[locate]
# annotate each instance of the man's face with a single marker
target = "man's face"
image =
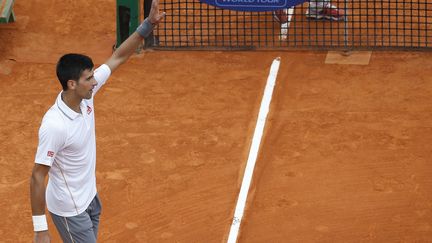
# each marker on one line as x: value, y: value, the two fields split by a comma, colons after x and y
x: 85, y: 85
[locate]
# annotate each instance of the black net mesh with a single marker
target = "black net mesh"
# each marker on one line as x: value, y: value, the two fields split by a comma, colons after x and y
x: 364, y: 24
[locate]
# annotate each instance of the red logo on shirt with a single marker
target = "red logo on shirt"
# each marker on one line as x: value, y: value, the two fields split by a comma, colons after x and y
x: 89, y: 110
x: 50, y: 154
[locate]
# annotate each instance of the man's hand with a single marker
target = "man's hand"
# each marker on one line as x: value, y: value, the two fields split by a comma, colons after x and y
x: 129, y: 46
x: 155, y: 16
x: 42, y: 237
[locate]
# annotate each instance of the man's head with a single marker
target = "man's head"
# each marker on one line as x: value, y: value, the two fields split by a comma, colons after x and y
x: 75, y: 72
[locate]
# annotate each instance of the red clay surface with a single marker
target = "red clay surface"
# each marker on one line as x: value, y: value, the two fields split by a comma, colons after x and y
x: 345, y: 157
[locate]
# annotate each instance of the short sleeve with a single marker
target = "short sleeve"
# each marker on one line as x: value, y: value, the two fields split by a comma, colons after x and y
x: 51, y: 140
x: 101, y: 75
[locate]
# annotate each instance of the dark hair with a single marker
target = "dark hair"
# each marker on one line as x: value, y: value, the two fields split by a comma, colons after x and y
x: 70, y: 67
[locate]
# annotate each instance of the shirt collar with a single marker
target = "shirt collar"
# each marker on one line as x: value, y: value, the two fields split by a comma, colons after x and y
x: 71, y: 114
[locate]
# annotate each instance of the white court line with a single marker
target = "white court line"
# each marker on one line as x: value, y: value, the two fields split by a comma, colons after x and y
x: 253, y: 152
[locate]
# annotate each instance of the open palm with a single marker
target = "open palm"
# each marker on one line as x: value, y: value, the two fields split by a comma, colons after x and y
x: 155, y: 16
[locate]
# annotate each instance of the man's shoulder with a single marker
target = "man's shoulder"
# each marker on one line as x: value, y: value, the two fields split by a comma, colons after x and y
x: 53, y: 119
x: 52, y: 113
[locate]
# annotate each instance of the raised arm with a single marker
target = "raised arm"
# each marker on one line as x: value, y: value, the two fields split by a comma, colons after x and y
x: 128, y: 47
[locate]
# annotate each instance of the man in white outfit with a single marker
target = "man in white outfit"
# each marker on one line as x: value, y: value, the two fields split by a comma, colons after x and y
x: 67, y: 145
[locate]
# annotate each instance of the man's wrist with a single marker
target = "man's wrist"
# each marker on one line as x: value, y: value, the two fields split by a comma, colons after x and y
x: 39, y: 223
x: 145, y: 28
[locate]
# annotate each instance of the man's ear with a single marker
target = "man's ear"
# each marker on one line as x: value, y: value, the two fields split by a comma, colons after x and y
x: 71, y: 84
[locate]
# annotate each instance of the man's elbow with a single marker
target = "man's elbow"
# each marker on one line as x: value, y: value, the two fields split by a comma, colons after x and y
x: 114, y: 63
x: 36, y: 179
x: 38, y: 175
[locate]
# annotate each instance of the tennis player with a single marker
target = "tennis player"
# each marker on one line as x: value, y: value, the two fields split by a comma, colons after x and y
x: 67, y: 145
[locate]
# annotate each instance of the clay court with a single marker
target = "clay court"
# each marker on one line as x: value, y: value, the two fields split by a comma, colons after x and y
x: 345, y: 155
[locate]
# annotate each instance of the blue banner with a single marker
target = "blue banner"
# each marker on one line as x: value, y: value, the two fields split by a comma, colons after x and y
x: 254, y: 5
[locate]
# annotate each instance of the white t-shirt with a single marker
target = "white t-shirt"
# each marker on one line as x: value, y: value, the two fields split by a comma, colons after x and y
x: 67, y: 143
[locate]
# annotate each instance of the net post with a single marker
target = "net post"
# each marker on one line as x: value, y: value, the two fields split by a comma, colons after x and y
x: 346, y: 49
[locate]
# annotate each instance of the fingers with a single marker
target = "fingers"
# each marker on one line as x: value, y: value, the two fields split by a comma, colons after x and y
x: 154, y: 12
x: 161, y: 16
x: 154, y: 16
x: 155, y: 5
